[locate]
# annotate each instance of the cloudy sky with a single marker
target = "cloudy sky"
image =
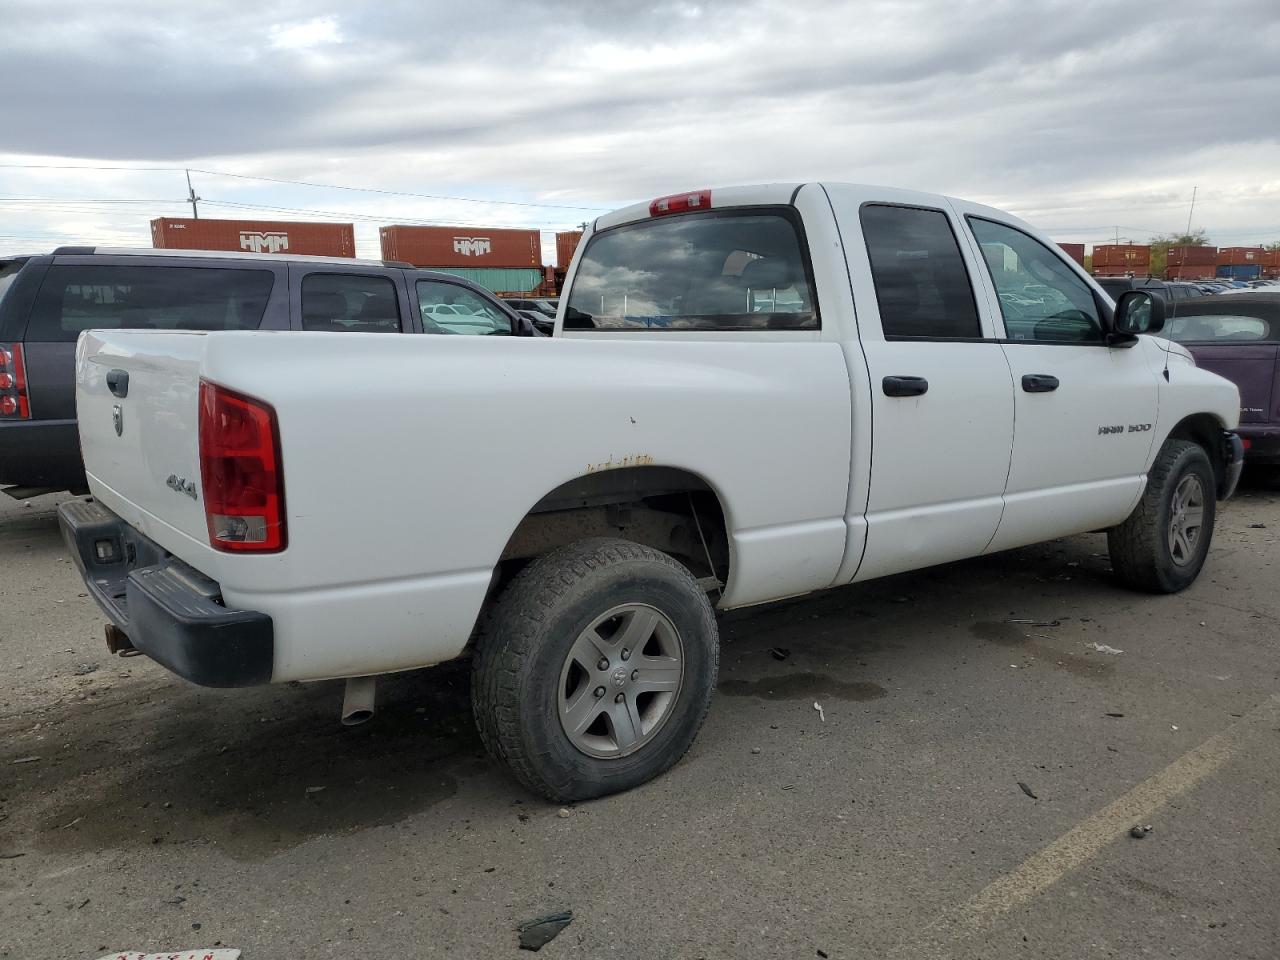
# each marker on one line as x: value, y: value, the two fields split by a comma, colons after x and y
x: 1088, y: 118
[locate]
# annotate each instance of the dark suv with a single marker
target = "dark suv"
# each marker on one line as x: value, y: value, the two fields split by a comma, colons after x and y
x: 47, y: 301
x: 1172, y: 291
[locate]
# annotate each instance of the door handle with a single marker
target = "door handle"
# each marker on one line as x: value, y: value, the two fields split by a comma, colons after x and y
x: 1039, y: 383
x: 118, y: 383
x: 904, y: 386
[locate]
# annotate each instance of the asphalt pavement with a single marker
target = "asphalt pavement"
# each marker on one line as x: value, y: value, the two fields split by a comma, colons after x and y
x: 942, y: 764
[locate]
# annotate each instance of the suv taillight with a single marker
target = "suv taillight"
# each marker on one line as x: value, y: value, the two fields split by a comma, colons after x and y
x: 240, y: 471
x: 14, y: 404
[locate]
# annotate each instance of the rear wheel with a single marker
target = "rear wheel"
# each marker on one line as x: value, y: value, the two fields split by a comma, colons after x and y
x: 595, y: 669
x: 1162, y: 545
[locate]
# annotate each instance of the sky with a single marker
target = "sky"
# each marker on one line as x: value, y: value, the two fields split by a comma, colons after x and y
x: 1090, y: 119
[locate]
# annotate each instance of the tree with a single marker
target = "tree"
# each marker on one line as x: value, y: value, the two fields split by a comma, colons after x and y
x: 1160, y: 248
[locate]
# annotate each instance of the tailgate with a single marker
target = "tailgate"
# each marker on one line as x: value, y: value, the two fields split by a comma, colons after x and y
x: 1251, y: 367
x: 137, y: 399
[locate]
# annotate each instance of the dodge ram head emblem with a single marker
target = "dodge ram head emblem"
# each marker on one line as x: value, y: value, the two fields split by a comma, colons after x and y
x: 619, y: 677
x: 117, y: 418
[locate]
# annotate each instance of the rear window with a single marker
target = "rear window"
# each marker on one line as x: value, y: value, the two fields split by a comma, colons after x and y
x: 74, y: 298
x: 1223, y: 320
x: 720, y: 270
x: 8, y: 271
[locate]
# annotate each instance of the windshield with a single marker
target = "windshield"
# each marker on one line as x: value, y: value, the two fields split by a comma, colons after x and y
x: 705, y: 271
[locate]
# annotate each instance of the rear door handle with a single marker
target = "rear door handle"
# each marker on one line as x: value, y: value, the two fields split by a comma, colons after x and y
x: 904, y: 386
x: 1039, y: 383
x: 118, y: 383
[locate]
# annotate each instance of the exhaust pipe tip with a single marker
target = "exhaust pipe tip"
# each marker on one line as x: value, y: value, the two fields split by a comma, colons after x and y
x: 358, y: 701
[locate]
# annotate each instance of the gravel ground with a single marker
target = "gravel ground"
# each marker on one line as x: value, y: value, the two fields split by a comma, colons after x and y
x: 966, y: 790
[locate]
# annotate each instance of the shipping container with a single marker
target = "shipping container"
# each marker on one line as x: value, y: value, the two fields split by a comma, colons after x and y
x: 514, y: 280
x: 1239, y: 256
x: 1190, y: 273
x: 462, y: 246
x: 1270, y: 258
x: 1075, y: 251
x: 566, y: 244
x: 1193, y: 256
x: 1240, y: 271
x: 1128, y: 257
x: 255, y: 236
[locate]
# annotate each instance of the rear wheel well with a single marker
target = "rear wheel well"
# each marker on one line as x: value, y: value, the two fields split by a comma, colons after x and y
x: 1205, y: 430
x: 666, y: 508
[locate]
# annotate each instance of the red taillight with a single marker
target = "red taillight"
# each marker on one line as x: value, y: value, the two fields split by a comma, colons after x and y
x: 14, y: 404
x: 1246, y: 442
x: 680, y: 203
x: 240, y: 471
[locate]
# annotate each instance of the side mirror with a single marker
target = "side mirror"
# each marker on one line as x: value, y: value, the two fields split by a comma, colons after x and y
x: 1139, y: 311
x: 523, y: 326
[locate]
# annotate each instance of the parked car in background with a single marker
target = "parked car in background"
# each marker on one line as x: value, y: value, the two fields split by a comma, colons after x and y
x: 541, y: 311
x: 47, y: 301
x: 1238, y: 337
x: 1170, y: 290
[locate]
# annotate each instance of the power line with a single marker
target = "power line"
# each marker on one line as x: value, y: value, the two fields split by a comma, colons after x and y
x: 395, y: 193
x: 300, y: 183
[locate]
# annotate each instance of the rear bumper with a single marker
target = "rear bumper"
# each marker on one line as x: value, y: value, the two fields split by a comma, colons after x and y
x: 41, y: 453
x: 169, y: 611
x: 1262, y: 443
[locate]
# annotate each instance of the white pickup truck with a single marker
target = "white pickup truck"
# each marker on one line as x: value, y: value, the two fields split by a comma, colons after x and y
x: 752, y: 393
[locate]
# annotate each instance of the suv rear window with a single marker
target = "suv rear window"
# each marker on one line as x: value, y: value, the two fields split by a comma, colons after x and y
x: 719, y: 270
x: 74, y: 298
x: 8, y: 271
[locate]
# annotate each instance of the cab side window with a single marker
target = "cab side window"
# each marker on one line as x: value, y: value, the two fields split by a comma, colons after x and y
x: 450, y: 308
x: 349, y: 303
x: 1041, y: 298
x: 921, y: 282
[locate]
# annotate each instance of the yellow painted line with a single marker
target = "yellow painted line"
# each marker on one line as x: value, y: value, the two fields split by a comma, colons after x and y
x: 1085, y: 840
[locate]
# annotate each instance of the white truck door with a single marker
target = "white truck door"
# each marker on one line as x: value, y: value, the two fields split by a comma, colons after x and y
x: 1085, y: 411
x: 941, y: 393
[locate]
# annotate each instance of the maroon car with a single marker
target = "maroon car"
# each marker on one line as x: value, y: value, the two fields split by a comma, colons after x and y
x: 1238, y: 336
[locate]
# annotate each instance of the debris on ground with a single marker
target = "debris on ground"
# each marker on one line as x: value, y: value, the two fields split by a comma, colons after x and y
x: 204, y: 953
x: 26, y: 760
x: 11, y: 856
x: 314, y: 789
x: 1027, y: 790
x: 1257, y: 526
x: 85, y: 669
x: 538, y: 932
x: 779, y: 653
x: 755, y: 749
x: 821, y: 714
x: 1103, y: 648
x: 1139, y: 832
x: 563, y: 813
x: 822, y: 954
x: 1114, y: 714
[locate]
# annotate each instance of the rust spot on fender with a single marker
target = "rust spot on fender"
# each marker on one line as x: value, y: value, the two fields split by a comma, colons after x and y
x: 615, y: 463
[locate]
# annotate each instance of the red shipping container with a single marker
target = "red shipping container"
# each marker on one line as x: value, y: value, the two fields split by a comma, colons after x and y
x: 255, y: 236
x: 1239, y: 256
x: 1132, y: 257
x: 1186, y: 272
x: 1075, y: 251
x: 1193, y: 257
x: 462, y: 246
x: 566, y: 244
x: 1270, y: 258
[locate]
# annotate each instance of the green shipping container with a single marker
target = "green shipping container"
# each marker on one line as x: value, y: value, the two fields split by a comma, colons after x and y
x: 505, y: 279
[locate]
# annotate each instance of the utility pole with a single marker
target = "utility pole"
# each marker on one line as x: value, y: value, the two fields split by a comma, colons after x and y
x: 1192, y: 210
x: 192, y: 198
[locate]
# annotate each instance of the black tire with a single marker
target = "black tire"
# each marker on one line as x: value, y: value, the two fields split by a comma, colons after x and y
x: 517, y: 672
x: 1142, y: 554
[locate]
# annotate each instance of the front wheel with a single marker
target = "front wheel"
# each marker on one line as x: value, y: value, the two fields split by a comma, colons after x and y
x: 1162, y: 545
x: 595, y: 669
